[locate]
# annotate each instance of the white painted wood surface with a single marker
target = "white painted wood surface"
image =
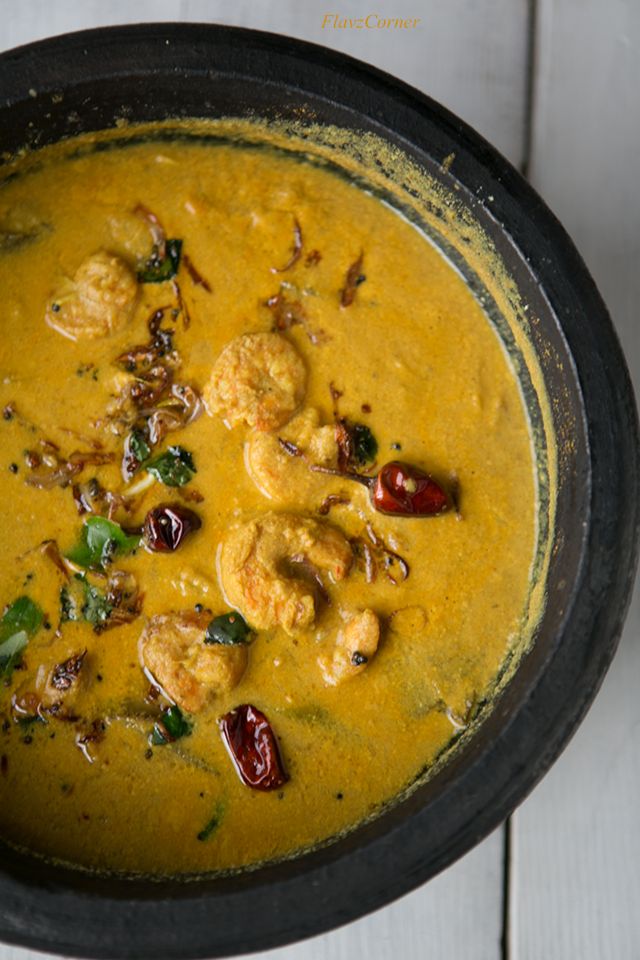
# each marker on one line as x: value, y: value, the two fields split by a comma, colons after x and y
x: 575, y: 874
x: 577, y: 839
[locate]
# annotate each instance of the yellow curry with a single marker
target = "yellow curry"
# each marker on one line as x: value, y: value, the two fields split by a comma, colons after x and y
x: 269, y: 506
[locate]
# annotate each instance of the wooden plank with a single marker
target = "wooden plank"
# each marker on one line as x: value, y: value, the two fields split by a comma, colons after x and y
x: 470, y: 56
x: 586, y: 143
x: 576, y: 869
x: 576, y: 864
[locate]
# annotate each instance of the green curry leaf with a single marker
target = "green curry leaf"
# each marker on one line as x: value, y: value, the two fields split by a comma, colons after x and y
x: 100, y: 541
x: 96, y: 609
x: 11, y: 652
x: 71, y: 599
x: 80, y: 600
x: 171, y: 726
x: 20, y: 622
x: 11, y: 240
x: 212, y: 825
x: 228, y: 629
x: 365, y: 445
x: 22, y: 614
x: 174, y: 467
x: 158, y: 269
x: 139, y: 446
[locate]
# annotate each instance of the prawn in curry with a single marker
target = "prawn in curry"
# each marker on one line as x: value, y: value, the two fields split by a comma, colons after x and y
x: 269, y: 506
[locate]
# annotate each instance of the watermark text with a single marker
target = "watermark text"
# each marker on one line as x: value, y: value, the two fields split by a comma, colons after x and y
x: 372, y: 21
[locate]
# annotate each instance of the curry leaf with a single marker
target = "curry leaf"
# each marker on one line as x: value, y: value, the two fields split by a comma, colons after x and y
x: 228, y: 629
x: 172, y: 726
x: 71, y: 600
x: 100, y: 541
x: 20, y: 622
x: 11, y: 240
x: 139, y: 446
x: 96, y: 609
x: 11, y: 652
x: 23, y: 614
x: 212, y: 825
x: 174, y: 468
x: 365, y: 445
x: 158, y: 269
x: 311, y: 713
x: 80, y: 600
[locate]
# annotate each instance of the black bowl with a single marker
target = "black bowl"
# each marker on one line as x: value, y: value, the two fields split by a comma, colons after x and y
x: 150, y: 72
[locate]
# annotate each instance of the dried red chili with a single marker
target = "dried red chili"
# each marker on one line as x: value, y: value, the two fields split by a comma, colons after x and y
x: 166, y: 526
x: 253, y: 747
x: 399, y: 488
x: 403, y: 489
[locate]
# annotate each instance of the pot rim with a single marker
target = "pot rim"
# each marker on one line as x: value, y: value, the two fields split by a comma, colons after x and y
x: 56, y: 909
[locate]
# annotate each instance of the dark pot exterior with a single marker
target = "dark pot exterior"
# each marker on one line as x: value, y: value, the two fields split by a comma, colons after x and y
x: 200, y: 70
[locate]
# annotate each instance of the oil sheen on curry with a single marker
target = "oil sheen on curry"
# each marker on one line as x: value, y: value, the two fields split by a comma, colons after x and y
x: 268, y: 507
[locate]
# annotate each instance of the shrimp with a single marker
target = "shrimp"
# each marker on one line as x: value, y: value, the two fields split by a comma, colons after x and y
x: 287, y: 477
x: 355, y: 645
x: 191, y: 672
x: 269, y: 568
x: 258, y: 379
x: 99, y: 301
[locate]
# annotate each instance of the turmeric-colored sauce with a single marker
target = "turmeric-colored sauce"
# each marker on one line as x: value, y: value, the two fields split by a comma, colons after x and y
x: 371, y: 637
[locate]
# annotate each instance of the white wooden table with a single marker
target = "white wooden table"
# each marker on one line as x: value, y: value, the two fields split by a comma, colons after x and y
x: 555, y: 84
